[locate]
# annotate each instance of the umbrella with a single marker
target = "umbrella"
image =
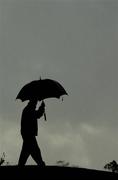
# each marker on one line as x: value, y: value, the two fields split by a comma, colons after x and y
x: 41, y: 89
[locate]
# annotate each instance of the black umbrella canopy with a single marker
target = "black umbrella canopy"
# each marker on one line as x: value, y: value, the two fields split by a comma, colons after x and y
x: 41, y: 89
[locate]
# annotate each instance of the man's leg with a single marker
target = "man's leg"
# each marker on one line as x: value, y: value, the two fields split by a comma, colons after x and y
x: 24, y: 154
x: 36, y: 153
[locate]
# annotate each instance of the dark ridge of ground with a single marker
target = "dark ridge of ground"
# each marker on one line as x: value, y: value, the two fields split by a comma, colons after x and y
x: 52, y: 172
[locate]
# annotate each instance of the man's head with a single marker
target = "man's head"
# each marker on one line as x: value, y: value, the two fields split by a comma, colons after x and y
x: 32, y: 103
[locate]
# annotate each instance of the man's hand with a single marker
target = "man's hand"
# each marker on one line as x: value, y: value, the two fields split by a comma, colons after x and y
x: 42, y: 108
x: 41, y: 111
x: 43, y: 105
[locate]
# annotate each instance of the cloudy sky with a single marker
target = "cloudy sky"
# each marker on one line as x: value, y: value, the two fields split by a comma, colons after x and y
x: 75, y: 43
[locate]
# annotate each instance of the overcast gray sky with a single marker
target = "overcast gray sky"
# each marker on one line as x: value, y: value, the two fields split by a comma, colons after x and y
x: 75, y: 43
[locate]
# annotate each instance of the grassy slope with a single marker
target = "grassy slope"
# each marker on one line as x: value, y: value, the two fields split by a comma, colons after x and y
x: 52, y: 172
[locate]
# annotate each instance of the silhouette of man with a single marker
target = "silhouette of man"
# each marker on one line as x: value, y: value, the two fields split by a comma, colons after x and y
x: 29, y: 131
